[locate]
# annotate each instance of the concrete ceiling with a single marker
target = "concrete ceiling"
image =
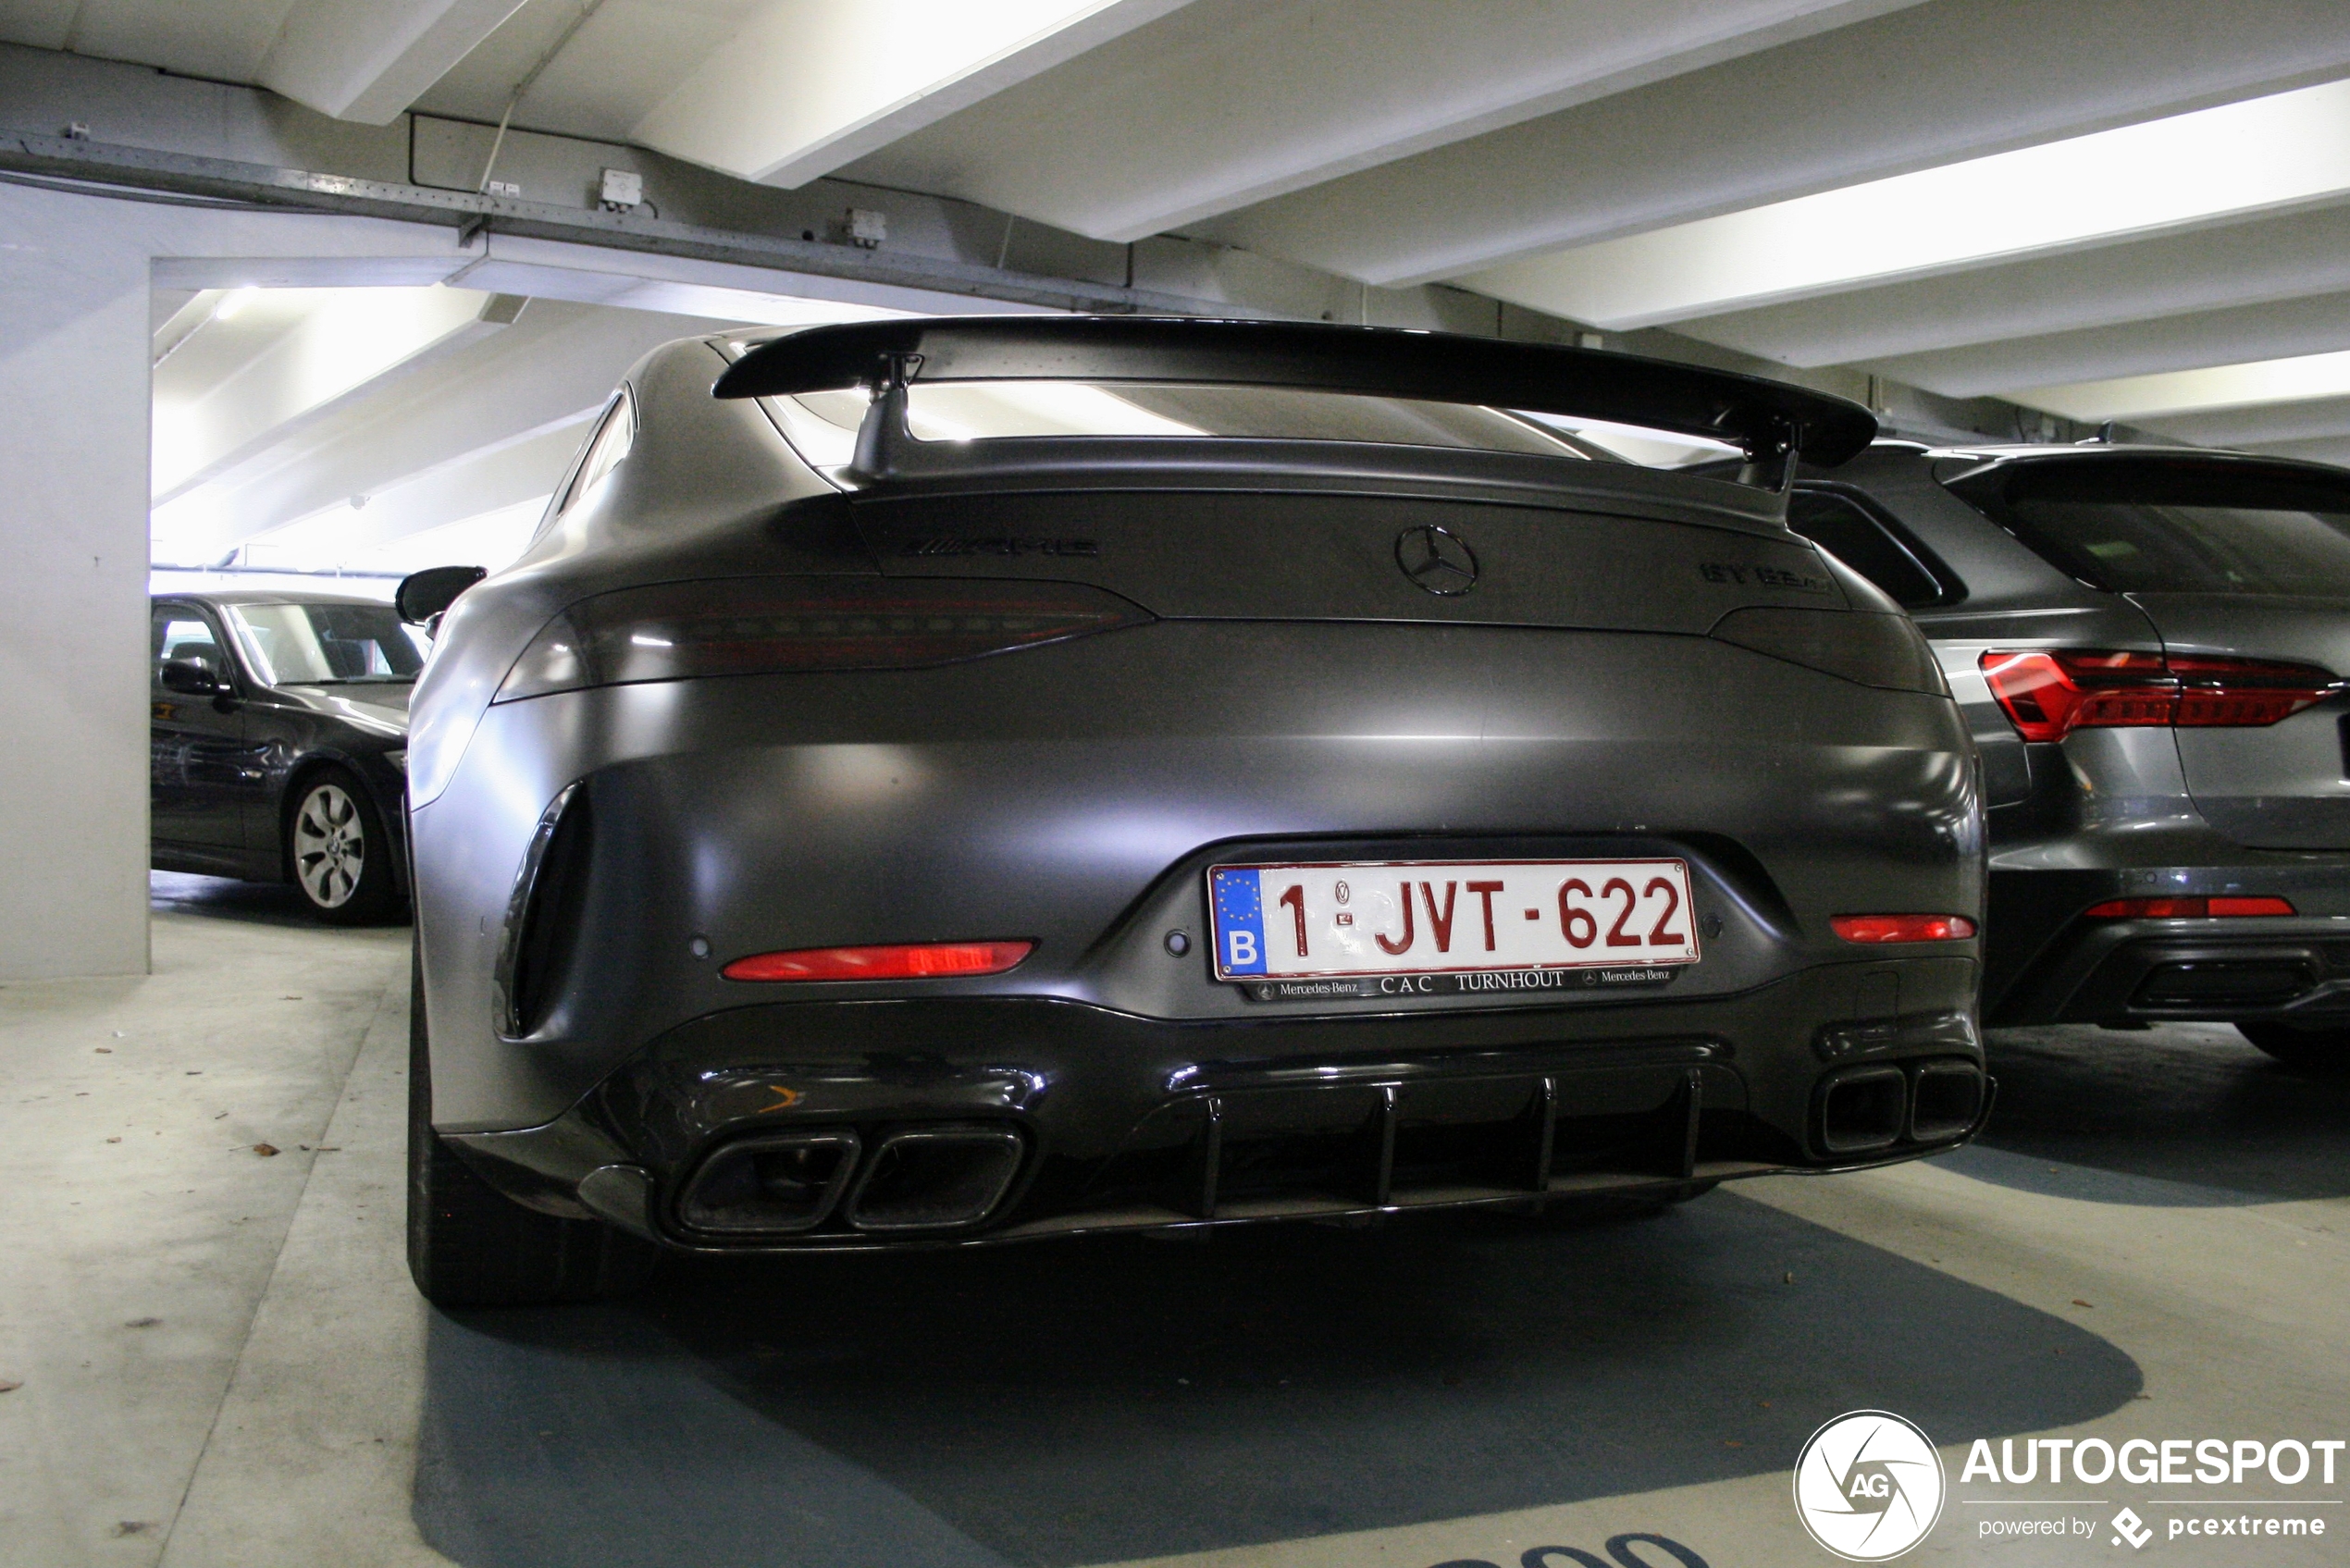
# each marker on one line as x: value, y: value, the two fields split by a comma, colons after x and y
x: 339, y: 427
x: 2133, y: 211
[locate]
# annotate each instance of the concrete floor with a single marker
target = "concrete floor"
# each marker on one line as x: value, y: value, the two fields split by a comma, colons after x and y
x: 221, y: 1361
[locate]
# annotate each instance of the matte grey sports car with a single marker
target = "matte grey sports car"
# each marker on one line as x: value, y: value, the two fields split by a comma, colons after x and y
x: 945, y: 782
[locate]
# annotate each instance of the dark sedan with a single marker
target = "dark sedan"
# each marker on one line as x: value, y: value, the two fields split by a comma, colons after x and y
x: 279, y: 742
x: 965, y: 782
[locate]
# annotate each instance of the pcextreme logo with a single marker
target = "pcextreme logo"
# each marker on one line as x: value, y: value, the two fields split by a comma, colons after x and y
x: 1868, y: 1485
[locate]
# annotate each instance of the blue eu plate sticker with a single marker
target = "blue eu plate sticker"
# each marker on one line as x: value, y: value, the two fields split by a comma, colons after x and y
x: 1240, y: 920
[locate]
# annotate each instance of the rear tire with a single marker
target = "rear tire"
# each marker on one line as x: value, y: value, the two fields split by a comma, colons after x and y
x: 337, y: 851
x: 469, y: 1245
x: 2312, y: 1050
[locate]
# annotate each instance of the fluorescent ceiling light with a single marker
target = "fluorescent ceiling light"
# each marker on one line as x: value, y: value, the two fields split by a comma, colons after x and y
x: 2180, y: 391
x: 2265, y: 155
x: 231, y: 302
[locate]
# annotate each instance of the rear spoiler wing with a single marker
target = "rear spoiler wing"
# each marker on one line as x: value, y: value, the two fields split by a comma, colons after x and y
x: 1772, y: 422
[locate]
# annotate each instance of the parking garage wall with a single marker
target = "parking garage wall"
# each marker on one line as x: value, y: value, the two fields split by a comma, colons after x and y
x: 75, y: 274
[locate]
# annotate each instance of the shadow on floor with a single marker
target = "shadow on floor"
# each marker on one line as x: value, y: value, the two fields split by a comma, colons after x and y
x: 1093, y: 1400
x: 255, y: 903
x: 2192, y: 1105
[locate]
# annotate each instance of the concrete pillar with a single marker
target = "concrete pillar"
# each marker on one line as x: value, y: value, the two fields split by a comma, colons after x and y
x: 73, y: 591
x: 74, y: 371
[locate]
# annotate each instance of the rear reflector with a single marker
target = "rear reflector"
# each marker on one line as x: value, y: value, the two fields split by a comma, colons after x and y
x: 2049, y: 693
x: 910, y: 960
x: 1902, y: 928
x: 2183, y: 908
x: 773, y: 625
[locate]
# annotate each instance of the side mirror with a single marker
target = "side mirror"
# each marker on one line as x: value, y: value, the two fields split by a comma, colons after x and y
x: 426, y: 594
x: 192, y: 678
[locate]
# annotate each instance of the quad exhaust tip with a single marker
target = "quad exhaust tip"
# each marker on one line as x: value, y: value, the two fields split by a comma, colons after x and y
x: 1864, y: 1110
x: 1946, y: 1098
x: 945, y: 1176
x: 935, y: 1178
x: 770, y: 1184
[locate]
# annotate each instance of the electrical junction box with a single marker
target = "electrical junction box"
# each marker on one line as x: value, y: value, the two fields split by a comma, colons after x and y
x: 624, y: 189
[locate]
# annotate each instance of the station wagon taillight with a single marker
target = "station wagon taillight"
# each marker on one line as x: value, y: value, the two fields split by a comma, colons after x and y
x: 2194, y: 908
x: 781, y: 625
x: 2049, y: 693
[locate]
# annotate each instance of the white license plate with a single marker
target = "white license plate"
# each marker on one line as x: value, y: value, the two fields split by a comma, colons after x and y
x: 1374, y: 919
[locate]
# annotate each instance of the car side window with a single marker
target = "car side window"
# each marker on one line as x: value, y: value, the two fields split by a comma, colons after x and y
x: 1848, y: 531
x: 179, y: 633
x: 606, y: 449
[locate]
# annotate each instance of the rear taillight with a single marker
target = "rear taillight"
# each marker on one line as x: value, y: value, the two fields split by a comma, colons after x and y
x: 2185, y: 908
x: 1901, y: 928
x: 900, y: 960
x: 2049, y: 693
x: 770, y: 626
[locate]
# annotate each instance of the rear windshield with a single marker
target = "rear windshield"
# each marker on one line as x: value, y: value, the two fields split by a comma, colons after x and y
x: 822, y: 425
x: 2176, y: 525
x: 299, y: 645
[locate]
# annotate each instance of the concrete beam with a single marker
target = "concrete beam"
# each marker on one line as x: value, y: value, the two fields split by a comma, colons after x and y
x: 550, y: 269
x: 1919, y: 87
x: 2269, y: 259
x: 809, y: 85
x: 207, y: 139
x: 334, y: 346
x: 367, y: 60
x: 2265, y: 425
x: 2285, y: 152
x: 557, y: 363
x: 1235, y: 102
x: 501, y: 474
x: 2329, y: 448
x: 2245, y: 333
x: 2187, y: 394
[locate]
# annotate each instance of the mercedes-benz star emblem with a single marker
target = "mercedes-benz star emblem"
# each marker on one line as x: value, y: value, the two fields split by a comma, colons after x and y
x: 1436, y: 560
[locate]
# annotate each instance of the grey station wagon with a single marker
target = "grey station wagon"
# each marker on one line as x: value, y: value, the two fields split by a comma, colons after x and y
x: 2149, y: 645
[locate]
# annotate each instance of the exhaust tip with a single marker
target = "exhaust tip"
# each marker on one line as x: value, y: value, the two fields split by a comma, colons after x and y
x: 935, y: 1178
x: 1863, y: 1110
x: 1945, y: 1100
x: 775, y: 1184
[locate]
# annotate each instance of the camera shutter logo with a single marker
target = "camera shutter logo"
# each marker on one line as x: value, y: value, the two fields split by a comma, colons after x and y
x: 1869, y: 1486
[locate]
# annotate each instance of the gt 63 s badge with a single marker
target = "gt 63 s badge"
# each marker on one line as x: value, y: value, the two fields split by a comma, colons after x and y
x: 1868, y: 1485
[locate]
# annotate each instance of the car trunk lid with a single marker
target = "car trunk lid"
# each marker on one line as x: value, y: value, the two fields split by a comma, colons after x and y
x: 1307, y: 556
x: 2270, y: 787
x: 2238, y: 561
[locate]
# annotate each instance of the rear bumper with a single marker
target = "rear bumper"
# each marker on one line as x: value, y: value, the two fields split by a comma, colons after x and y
x: 2070, y: 970
x: 1031, y: 1117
